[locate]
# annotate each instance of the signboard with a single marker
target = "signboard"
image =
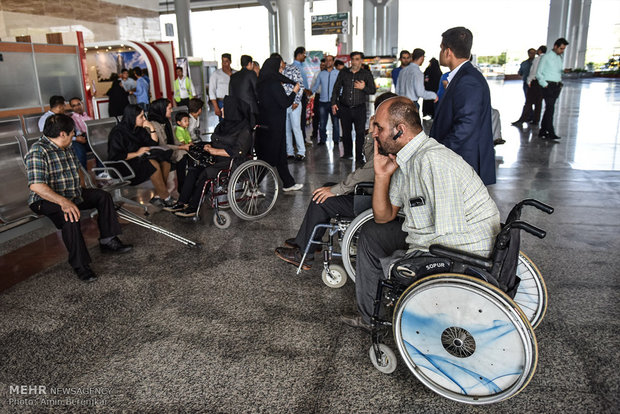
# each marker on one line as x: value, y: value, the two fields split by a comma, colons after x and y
x: 330, y: 24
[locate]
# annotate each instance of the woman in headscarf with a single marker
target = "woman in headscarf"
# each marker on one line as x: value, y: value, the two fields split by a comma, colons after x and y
x: 131, y: 141
x: 160, y: 112
x: 272, y: 103
x: 432, y: 74
x: 232, y: 138
x: 118, y: 97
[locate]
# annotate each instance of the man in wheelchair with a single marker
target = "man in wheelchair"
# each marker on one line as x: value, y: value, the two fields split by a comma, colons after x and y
x: 443, y: 199
x: 329, y: 201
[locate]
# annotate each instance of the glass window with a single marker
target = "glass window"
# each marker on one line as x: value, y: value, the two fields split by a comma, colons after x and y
x: 59, y: 74
x: 17, y: 81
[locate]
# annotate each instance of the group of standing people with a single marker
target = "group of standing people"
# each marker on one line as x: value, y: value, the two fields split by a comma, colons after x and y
x: 542, y: 80
x: 128, y: 89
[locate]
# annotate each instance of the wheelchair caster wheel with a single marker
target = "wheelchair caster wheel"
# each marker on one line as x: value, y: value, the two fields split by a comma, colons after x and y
x: 335, y: 277
x: 221, y: 220
x: 387, y: 362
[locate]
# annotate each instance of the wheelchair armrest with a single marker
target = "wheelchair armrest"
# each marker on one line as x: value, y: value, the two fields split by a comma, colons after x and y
x: 461, y: 256
x: 363, y: 187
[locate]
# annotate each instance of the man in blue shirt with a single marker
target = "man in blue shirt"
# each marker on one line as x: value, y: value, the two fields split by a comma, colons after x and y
x: 524, y: 69
x: 549, y: 76
x: 300, y: 57
x: 325, y: 83
x: 405, y: 60
x: 142, y: 89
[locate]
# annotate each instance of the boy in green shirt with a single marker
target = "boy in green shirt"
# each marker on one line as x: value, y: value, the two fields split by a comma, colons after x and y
x: 181, y: 133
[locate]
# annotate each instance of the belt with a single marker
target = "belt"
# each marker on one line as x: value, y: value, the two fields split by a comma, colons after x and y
x: 554, y: 83
x: 351, y: 106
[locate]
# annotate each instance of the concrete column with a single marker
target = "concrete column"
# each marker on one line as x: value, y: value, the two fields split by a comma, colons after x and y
x: 577, y: 34
x: 380, y: 27
x: 345, y: 41
x: 274, y: 43
x: 291, y: 19
x: 182, y: 11
x: 582, y: 39
x: 558, y: 17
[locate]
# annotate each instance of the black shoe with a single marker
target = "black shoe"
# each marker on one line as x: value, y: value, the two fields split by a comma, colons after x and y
x: 300, y: 157
x: 187, y: 212
x: 346, y: 157
x: 499, y: 141
x: 553, y: 136
x: 290, y: 157
x: 178, y: 206
x: 356, y: 322
x: 85, y: 274
x: 517, y: 123
x: 157, y: 202
x: 321, y: 143
x: 115, y: 246
x: 293, y: 256
x: 168, y: 203
x: 291, y: 243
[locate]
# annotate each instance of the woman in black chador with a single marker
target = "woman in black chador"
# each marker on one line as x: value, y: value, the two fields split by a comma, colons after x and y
x: 432, y: 75
x: 270, y: 141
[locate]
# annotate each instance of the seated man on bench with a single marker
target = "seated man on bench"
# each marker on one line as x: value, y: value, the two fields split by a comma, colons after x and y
x: 444, y: 200
x: 328, y: 202
x: 54, y: 178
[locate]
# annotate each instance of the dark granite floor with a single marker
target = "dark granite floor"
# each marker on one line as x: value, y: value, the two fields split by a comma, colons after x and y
x: 229, y: 328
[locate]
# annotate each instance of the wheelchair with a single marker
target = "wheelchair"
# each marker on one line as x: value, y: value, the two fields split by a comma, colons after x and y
x: 250, y: 189
x: 464, y: 324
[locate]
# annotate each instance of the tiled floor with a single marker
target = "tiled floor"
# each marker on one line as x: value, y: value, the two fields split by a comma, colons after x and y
x: 229, y: 328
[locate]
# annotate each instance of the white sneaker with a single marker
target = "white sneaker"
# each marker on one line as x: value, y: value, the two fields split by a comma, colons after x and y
x: 293, y: 187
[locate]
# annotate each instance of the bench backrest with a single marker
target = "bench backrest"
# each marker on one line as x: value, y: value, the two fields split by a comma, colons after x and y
x: 10, y: 126
x: 97, y: 132
x: 13, y: 181
x: 31, y: 123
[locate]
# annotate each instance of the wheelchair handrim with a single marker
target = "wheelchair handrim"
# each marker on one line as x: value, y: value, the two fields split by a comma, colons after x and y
x: 503, y: 305
x: 255, y: 178
x: 534, y: 307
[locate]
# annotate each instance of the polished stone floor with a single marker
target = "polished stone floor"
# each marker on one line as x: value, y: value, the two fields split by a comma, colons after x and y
x: 229, y: 328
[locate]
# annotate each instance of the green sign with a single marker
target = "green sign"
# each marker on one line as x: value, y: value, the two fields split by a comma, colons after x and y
x: 330, y: 24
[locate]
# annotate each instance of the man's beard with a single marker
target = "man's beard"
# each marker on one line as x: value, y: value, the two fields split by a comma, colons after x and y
x: 380, y: 149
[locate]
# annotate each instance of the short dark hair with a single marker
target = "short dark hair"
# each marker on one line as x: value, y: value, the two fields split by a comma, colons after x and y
x: 403, y: 52
x: 561, y: 41
x: 124, y: 70
x: 227, y: 56
x: 245, y: 60
x: 383, y: 97
x: 299, y: 51
x: 338, y: 62
x: 323, y: 60
x: 355, y: 54
x: 194, y: 105
x: 180, y: 115
x: 276, y: 55
x: 417, y: 54
x: 56, y: 124
x: 178, y: 67
x: 75, y: 98
x: 56, y: 100
x: 404, y: 111
x: 137, y: 71
x: 543, y: 49
x: 459, y: 40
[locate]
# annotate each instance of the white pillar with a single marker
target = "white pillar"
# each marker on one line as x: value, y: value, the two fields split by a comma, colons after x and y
x: 274, y: 43
x: 370, y: 18
x: 182, y: 11
x: 345, y: 41
x: 291, y: 19
x: 558, y: 17
x: 380, y: 27
x: 579, y: 34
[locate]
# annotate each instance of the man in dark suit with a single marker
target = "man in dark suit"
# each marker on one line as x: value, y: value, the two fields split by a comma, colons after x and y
x: 463, y: 116
x: 243, y: 86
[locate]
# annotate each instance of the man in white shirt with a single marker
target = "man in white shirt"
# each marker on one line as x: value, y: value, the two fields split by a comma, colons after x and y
x: 534, y: 94
x: 129, y: 84
x: 218, y: 85
x: 411, y: 80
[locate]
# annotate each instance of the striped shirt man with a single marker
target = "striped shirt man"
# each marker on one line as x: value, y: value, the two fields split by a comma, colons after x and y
x: 452, y: 208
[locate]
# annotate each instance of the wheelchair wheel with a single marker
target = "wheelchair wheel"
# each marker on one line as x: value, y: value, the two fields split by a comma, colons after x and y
x: 336, y: 277
x: 387, y: 361
x: 221, y: 219
x: 253, y: 190
x: 465, y: 339
x: 349, y: 241
x: 532, y: 293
